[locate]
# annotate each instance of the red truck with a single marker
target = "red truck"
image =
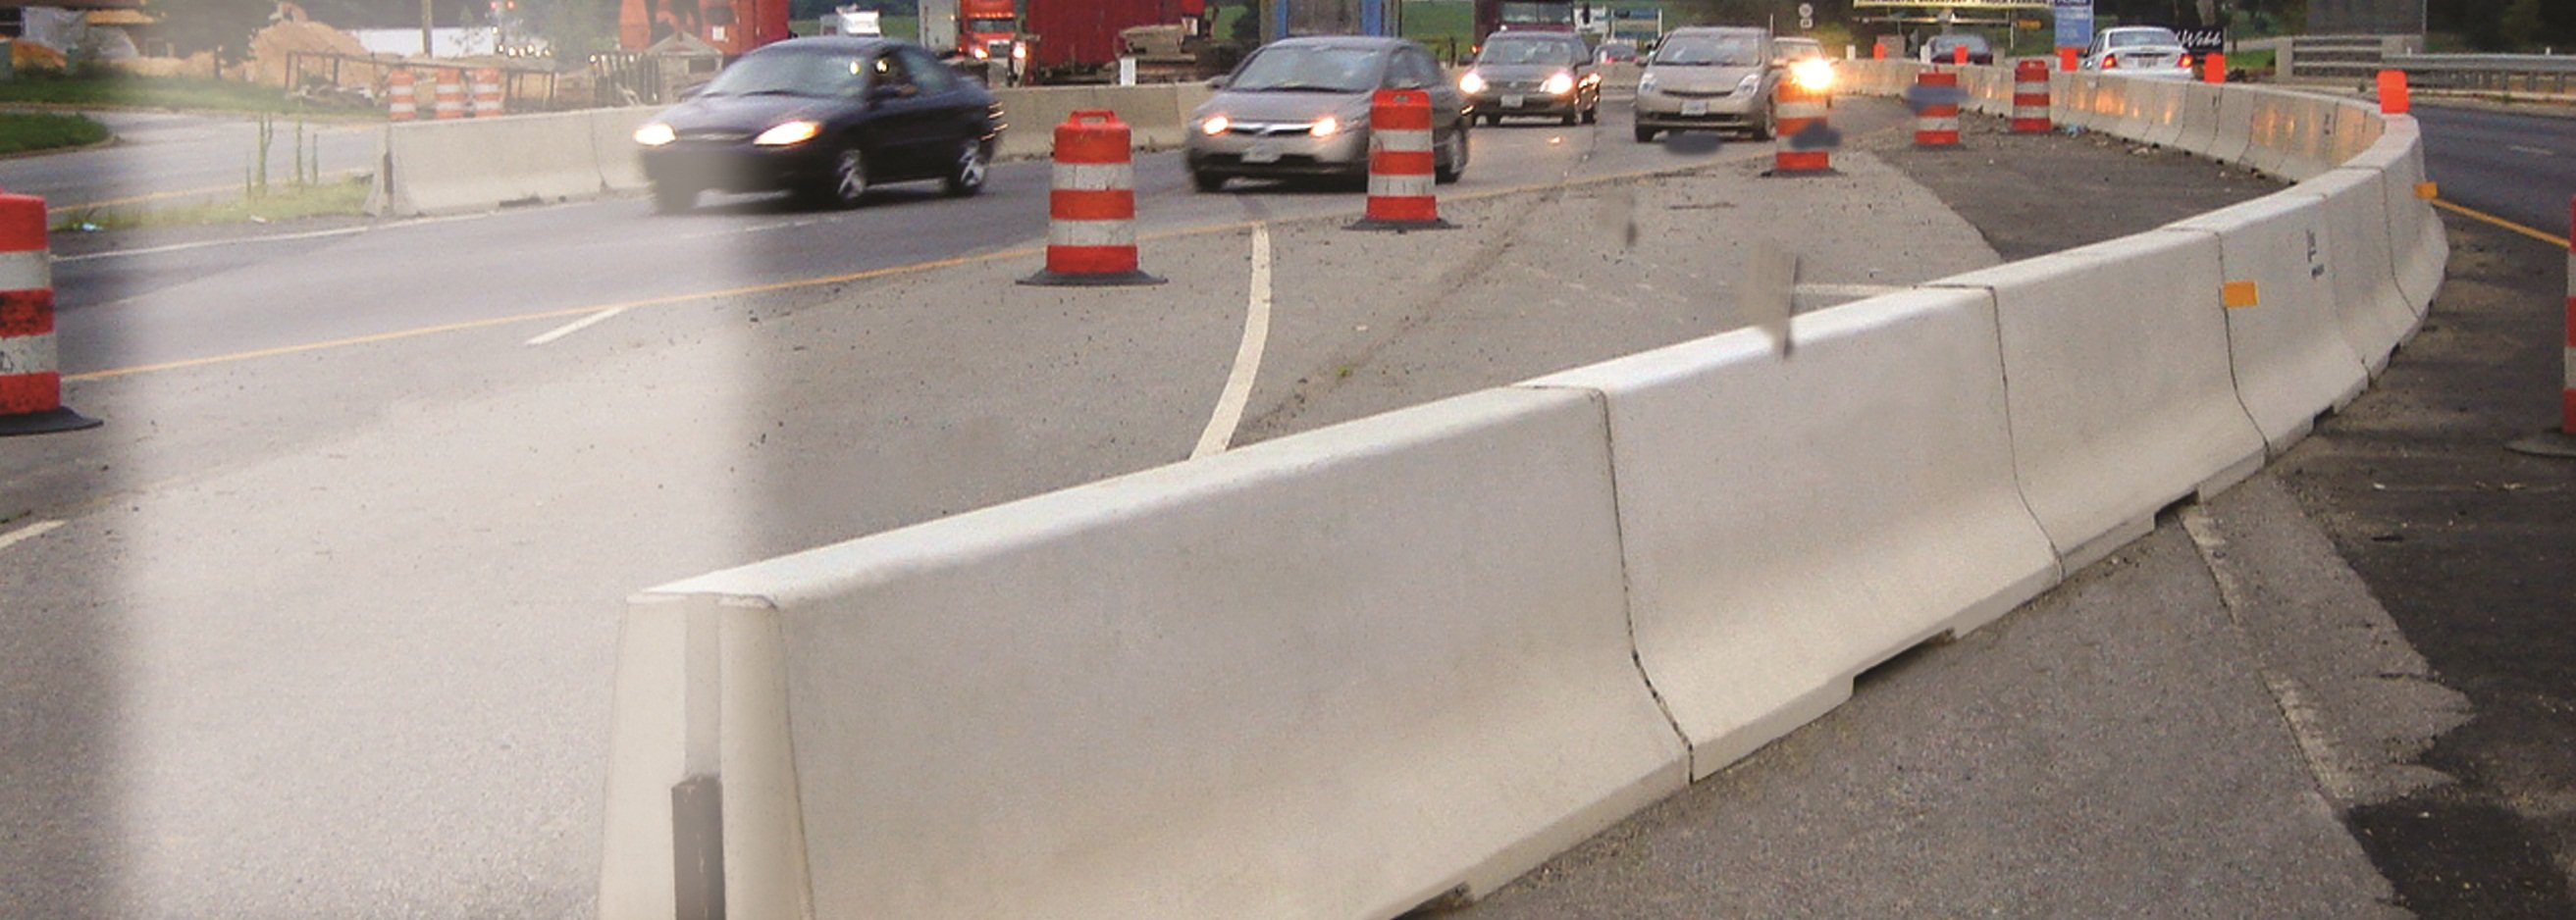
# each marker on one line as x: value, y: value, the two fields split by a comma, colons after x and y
x: 1544, y: 15
x: 990, y: 30
x: 732, y: 26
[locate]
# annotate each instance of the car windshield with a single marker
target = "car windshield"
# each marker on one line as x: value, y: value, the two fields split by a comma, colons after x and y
x: 1308, y: 68
x: 2132, y: 38
x: 989, y: 26
x: 790, y: 73
x: 1710, y: 51
x: 1527, y: 51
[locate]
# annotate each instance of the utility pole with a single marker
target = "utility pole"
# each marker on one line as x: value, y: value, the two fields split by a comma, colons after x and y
x: 425, y: 22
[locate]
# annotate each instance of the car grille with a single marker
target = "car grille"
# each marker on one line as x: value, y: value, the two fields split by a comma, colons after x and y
x: 703, y: 135
x: 1516, y: 86
x: 1269, y: 128
x: 1700, y: 93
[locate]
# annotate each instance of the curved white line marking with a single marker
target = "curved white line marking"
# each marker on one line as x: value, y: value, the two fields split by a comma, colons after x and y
x: 1247, y: 356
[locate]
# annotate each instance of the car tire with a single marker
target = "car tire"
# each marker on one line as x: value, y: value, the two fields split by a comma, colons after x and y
x: 1207, y: 181
x: 1454, y: 162
x: 847, y: 182
x: 1770, y: 124
x: 1493, y: 119
x: 973, y: 165
x: 674, y: 199
x: 1645, y: 135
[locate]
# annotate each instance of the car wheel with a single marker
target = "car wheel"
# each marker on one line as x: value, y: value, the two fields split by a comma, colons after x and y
x: 1453, y: 161
x: 847, y: 182
x: 1645, y: 135
x: 974, y: 162
x: 674, y: 199
x: 1494, y: 119
x: 1207, y: 181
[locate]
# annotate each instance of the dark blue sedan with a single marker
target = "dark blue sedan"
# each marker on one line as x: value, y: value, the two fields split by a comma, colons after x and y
x: 825, y: 118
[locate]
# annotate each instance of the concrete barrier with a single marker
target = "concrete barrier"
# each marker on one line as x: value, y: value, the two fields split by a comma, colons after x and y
x: 1154, y: 113
x: 2422, y: 247
x: 2356, y: 127
x: 612, y: 131
x: 450, y: 167
x: 2115, y: 357
x: 2158, y: 107
x: 2199, y: 117
x: 1774, y: 555
x: 2309, y: 148
x: 2285, y: 340
x: 2235, y: 126
x: 1340, y: 674
x: 2375, y: 309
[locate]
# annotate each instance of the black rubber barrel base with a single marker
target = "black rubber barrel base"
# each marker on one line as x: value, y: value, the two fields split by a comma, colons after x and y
x: 1400, y: 226
x: 1104, y: 279
x: 46, y: 422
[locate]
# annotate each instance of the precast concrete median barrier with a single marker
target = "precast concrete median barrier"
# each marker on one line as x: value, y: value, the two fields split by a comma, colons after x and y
x: 621, y: 160
x: 2235, y: 126
x: 1774, y: 554
x: 2422, y: 246
x: 2376, y: 314
x: 2357, y: 126
x: 461, y: 166
x: 2122, y: 399
x: 2285, y: 340
x: 2157, y: 107
x: 1154, y: 111
x: 1336, y: 675
x: 2199, y: 117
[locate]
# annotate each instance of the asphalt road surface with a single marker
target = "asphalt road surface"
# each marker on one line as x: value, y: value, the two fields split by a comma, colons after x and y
x: 2521, y: 167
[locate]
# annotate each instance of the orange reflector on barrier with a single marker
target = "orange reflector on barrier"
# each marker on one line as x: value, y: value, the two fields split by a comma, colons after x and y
x: 2238, y: 294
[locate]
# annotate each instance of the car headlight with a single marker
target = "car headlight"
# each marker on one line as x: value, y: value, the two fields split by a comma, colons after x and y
x: 1215, y: 125
x: 1646, y: 84
x: 1814, y: 75
x: 1747, y: 84
x: 1471, y: 83
x: 789, y: 134
x: 1558, y: 85
x: 980, y: 52
x: 1020, y: 50
x: 655, y: 135
x: 1326, y: 126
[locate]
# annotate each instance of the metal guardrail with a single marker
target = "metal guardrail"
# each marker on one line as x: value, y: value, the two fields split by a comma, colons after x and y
x: 2500, y: 72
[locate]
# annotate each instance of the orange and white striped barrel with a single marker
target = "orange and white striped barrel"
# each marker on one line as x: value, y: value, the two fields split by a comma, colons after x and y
x: 2030, y: 97
x: 1936, y: 121
x: 451, y: 93
x: 1801, y: 142
x: 487, y: 92
x: 1401, y: 164
x: 2567, y: 393
x: 1091, y: 228
x: 402, y: 103
x: 31, y: 386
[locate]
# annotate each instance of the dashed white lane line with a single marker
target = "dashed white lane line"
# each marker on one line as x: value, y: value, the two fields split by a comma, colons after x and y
x: 2531, y: 151
x: 1247, y: 356
x: 577, y: 325
x: 26, y: 533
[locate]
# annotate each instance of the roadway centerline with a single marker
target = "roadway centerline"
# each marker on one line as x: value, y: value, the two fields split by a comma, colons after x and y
x: 2478, y: 215
x: 29, y: 532
x: 577, y: 325
x: 1247, y: 355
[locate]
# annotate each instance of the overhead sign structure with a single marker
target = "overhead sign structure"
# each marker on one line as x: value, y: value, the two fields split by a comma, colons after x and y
x: 2074, y: 22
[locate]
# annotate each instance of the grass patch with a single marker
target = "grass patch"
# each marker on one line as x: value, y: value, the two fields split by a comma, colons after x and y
x: 185, y: 93
x: 337, y: 198
x: 24, y: 133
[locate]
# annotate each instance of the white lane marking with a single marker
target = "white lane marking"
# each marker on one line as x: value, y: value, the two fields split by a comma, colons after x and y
x: 1247, y: 356
x: 2533, y: 151
x: 277, y: 238
x: 577, y: 325
x: 26, y: 533
x: 2307, y: 726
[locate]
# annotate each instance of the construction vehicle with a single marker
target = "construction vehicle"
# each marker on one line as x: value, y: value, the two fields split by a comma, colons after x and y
x: 730, y: 26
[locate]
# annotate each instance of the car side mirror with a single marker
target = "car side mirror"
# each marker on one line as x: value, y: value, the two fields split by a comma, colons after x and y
x: 1218, y: 82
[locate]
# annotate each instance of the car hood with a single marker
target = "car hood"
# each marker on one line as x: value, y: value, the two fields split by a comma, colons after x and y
x: 741, y: 113
x: 1264, y: 106
x: 1699, y: 79
x: 1521, y: 71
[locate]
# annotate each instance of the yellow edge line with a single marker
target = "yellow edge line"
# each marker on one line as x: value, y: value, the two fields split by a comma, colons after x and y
x: 2477, y: 215
x: 1024, y: 252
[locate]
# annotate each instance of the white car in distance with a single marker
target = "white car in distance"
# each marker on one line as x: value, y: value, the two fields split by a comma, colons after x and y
x: 2153, y: 52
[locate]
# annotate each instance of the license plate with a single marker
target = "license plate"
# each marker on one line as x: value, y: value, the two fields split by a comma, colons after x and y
x: 1513, y: 102
x: 1262, y: 153
x: 1695, y: 108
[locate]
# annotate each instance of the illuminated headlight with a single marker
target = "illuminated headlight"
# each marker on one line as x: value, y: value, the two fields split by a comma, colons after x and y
x: 1020, y: 51
x: 1472, y: 83
x: 980, y: 53
x: 1558, y: 85
x: 1814, y: 75
x: 1747, y: 84
x: 1215, y: 125
x: 1646, y: 84
x: 789, y: 134
x: 655, y: 135
x: 1326, y: 126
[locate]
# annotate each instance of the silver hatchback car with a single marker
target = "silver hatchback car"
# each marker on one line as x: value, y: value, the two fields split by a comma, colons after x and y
x: 1709, y: 78
x: 1300, y: 107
